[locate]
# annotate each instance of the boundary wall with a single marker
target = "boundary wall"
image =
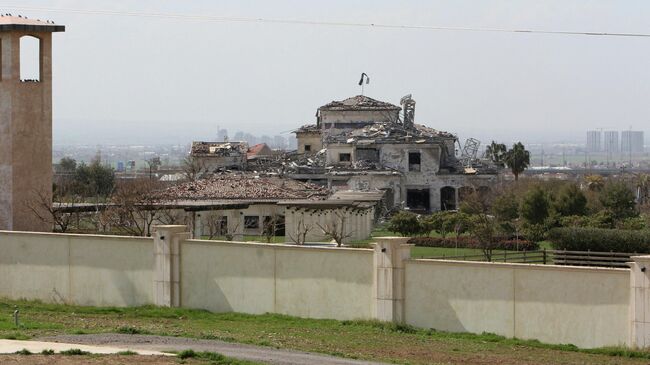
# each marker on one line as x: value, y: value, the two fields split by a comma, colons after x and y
x: 588, y: 307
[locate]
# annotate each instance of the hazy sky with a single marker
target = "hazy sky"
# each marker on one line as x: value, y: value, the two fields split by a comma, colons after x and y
x: 148, y: 80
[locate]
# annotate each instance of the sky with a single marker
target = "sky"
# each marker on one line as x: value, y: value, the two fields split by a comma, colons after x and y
x: 144, y: 80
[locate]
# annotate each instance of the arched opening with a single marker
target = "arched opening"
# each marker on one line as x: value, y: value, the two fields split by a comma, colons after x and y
x: 448, y: 198
x: 464, y: 192
x: 30, y: 59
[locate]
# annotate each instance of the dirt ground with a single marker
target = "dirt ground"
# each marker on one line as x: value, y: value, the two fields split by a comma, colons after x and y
x: 91, y: 359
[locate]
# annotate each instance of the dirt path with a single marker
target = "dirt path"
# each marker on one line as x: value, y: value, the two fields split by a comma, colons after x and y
x: 247, y: 352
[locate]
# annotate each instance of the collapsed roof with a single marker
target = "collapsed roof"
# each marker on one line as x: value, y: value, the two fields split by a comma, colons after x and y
x: 390, y: 133
x: 244, y: 187
x: 219, y: 148
x: 360, y: 103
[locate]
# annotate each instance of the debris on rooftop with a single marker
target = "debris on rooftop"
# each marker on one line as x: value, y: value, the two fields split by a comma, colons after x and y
x: 243, y: 187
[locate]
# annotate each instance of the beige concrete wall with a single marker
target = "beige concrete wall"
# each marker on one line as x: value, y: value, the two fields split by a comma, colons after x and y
x: 312, y: 139
x: 258, y: 278
x: 76, y: 269
x: 587, y: 307
x: 358, y: 225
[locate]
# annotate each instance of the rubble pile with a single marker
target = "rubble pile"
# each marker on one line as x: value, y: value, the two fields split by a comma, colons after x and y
x: 244, y: 187
x: 219, y: 148
x: 390, y: 133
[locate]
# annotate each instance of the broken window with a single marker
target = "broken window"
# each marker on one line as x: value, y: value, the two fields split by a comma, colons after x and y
x: 251, y: 221
x: 418, y: 199
x: 368, y: 154
x: 345, y: 157
x: 448, y: 198
x: 414, y: 161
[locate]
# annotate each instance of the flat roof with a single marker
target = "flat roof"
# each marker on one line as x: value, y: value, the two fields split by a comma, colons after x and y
x: 10, y: 23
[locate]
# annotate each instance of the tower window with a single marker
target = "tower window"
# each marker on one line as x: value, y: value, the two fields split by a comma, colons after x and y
x: 345, y: 157
x: 307, y: 148
x: 30, y: 59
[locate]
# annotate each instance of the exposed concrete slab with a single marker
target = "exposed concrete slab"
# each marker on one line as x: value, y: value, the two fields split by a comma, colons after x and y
x: 12, y: 346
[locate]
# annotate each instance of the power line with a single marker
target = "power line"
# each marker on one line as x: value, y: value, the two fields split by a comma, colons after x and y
x: 209, y: 18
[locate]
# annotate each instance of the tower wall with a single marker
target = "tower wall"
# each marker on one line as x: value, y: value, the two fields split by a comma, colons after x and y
x: 25, y: 137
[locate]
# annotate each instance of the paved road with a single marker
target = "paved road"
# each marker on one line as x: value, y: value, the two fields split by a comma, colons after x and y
x: 247, y: 352
x: 12, y: 346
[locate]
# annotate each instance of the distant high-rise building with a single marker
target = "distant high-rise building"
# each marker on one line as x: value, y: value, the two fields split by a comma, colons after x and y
x: 594, y: 139
x: 611, y: 142
x: 632, y: 141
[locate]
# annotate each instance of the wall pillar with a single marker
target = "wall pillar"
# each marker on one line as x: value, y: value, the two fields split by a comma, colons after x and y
x: 639, y: 302
x: 167, y: 250
x: 390, y: 255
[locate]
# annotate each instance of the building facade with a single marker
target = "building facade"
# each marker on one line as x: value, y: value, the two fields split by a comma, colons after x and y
x: 631, y: 142
x: 594, y: 141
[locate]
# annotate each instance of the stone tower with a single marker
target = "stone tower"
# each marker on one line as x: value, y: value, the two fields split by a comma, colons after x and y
x: 25, y: 126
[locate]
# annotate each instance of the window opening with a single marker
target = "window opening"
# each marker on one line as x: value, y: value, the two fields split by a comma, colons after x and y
x: 30, y: 59
x: 414, y: 161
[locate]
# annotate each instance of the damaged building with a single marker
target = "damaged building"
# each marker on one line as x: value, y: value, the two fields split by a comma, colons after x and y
x: 363, y: 144
x: 214, y: 156
x: 235, y: 205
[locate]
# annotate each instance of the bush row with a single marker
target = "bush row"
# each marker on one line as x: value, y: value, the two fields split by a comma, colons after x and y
x: 469, y: 242
x: 600, y: 239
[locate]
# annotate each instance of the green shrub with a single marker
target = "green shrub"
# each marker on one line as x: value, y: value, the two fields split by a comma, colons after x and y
x: 23, y: 352
x: 74, y: 352
x: 405, y: 223
x: 47, y: 352
x: 186, y: 354
x: 599, y: 239
x: 470, y: 242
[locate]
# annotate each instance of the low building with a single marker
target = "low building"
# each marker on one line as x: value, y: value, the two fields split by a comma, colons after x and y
x: 214, y: 156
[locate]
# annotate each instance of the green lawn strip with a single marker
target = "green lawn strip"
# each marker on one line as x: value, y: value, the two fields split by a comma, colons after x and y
x: 354, y: 339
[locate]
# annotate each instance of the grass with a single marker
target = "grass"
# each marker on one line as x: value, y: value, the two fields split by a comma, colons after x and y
x: 213, y: 357
x: 368, y: 340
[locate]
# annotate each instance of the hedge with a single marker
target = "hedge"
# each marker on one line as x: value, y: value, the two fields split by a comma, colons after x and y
x: 469, y: 242
x: 600, y: 239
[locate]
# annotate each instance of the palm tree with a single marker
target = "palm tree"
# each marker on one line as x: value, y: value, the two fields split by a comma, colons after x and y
x: 595, y: 182
x: 496, y: 152
x: 517, y: 159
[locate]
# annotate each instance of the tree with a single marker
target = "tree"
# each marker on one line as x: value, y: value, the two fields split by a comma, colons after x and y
x: 53, y: 211
x: 405, y: 223
x: 335, y: 228
x: 505, y: 207
x: 535, y: 206
x: 618, y: 199
x: 595, y: 182
x: 153, y: 164
x: 517, y: 159
x: 135, y: 207
x: 193, y: 168
x: 496, y: 152
x: 271, y: 225
x: 300, y: 230
x: 483, y: 229
x: 68, y: 165
x: 94, y: 180
x: 570, y: 201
